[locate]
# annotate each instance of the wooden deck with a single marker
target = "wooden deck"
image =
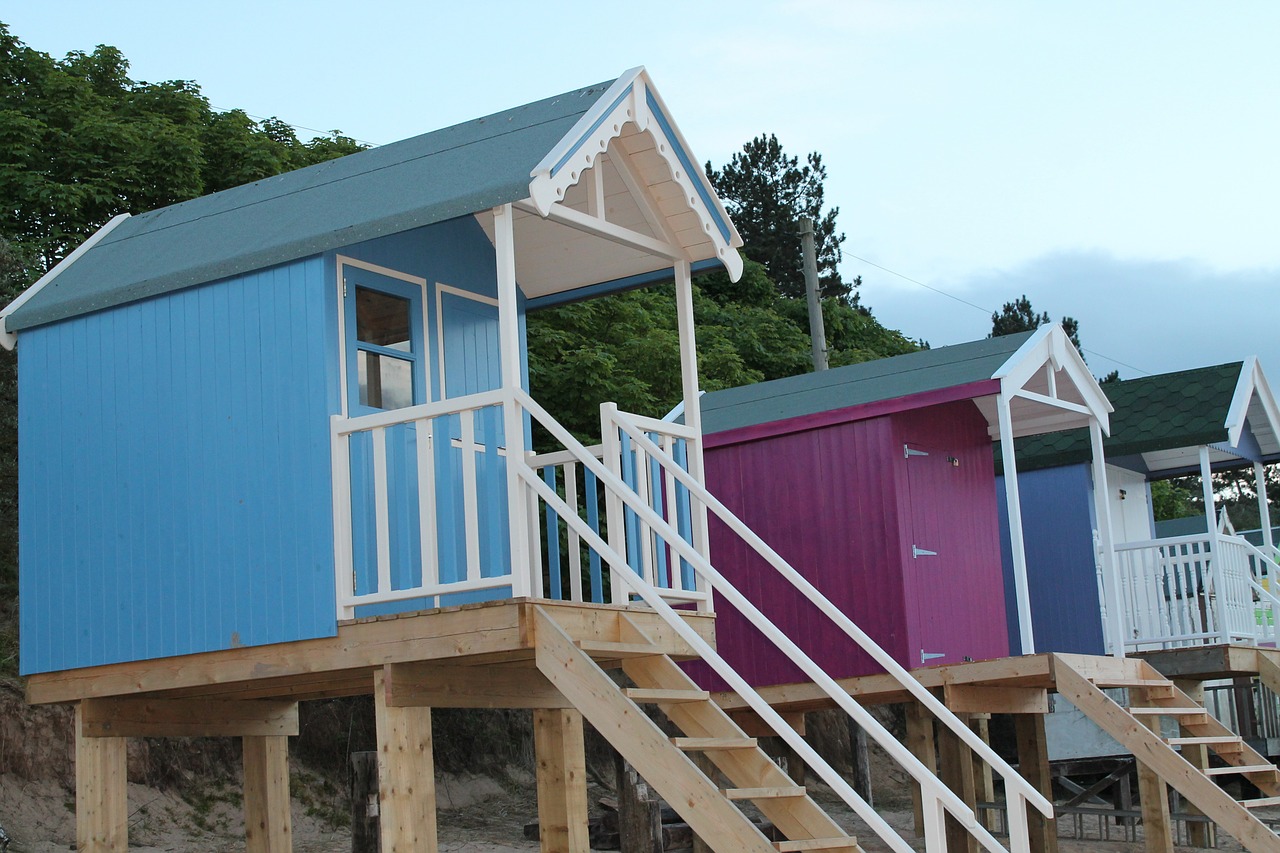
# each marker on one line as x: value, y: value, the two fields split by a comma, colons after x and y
x: 499, y: 632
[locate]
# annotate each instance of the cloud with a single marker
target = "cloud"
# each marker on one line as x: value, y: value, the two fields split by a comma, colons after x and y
x: 1138, y: 316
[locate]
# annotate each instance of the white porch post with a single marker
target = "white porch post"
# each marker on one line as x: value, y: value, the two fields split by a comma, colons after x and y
x: 1264, y: 509
x: 504, y: 243
x: 1215, y: 564
x: 1016, y: 544
x: 1102, y: 509
x: 689, y: 383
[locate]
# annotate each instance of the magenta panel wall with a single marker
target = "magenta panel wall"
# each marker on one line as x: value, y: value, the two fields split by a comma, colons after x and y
x: 836, y: 502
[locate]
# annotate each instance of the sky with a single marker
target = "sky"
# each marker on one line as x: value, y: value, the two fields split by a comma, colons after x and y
x: 1115, y: 162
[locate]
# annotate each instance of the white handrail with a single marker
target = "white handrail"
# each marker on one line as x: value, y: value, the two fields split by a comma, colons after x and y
x: 938, y: 798
x: 838, y: 616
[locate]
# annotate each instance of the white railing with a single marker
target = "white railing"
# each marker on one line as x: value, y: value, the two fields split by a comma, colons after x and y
x: 1264, y: 573
x: 419, y: 505
x: 1177, y: 592
x: 421, y: 513
x: 938, y: 800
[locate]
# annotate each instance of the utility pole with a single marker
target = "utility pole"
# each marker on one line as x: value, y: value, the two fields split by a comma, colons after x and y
x: 817, y: 331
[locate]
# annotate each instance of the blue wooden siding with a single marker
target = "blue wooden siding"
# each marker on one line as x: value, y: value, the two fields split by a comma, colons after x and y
x: 1058, y: 522
x: 175, y: 474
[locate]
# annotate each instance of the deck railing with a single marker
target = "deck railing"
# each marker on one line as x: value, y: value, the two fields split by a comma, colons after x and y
x: 1193, y: 590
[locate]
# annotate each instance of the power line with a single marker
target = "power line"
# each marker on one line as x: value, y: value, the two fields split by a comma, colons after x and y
x: 986, y: 311
x: 292, y: 125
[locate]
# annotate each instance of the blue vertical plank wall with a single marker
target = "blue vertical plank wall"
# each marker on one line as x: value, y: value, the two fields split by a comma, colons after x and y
x: 1057, y: 523
x: 175, y: 486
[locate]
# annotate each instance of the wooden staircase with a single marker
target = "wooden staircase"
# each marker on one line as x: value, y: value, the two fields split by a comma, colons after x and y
x: 1153, y: 698
x: 664, y: 761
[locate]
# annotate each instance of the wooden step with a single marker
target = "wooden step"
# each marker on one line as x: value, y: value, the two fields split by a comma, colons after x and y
x: 1243, y: 768
x: 1158, y: 711
x: 1137, y: 683
x: 607, y: 649
x: 1262, y: 802
x: 665, y: 696
x: 1220, y: 744
x: 711, y: 744
x: 763, y: 793
x: 847, y: 842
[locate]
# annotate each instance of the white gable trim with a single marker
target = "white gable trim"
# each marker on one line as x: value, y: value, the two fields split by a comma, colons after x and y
x: 9, y: 339
x: 1252, y: 382
x: 1050, y: 351
x: 632, y: 99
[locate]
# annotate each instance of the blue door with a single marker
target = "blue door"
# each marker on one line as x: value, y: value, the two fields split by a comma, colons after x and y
x: 386, y: 368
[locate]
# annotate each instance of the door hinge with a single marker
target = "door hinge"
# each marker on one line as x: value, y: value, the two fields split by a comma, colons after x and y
x: 344, y: 287
x: 928, y: 656
x: 908, y: 451
x: 921, y: 552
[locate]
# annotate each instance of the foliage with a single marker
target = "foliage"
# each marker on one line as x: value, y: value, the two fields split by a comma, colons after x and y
x: 625, y: 347
x: 1174, y: 498
x: 766, y: 193
x: 82, y: 142
x: 1019, y: 316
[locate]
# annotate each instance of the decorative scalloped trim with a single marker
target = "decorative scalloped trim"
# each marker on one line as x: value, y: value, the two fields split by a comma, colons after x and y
x: 564, y: 165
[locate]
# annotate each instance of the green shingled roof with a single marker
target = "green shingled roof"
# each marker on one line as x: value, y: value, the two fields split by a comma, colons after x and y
x: 857, y: 384
x: 430, y: 178
x: 1183, y: 409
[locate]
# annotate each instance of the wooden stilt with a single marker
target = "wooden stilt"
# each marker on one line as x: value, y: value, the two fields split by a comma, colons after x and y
x: 956, y: 765
x: 983, y: 778
x: 102, y: 809
x: 1198, y: 834
x: 920, y: 741
x: 364, y: 802
x: 562, y: 781
x: 406, y: 776
x: 639, y: 815
x: 267, y: 824
x: 1153, y: 796
x: 861, y: 760
x: 1033, y: 764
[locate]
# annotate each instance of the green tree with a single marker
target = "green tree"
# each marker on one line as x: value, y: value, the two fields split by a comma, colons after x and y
x: 1019, y: 316
x: 81, y: 142
x: 766, y: 193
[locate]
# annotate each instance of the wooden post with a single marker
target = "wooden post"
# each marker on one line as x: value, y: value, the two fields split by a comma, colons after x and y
x: 956, y: 760
x: 364, y: 802
x: 562, y: 780
x: 267, y: 822
x: 1116, y: 618
x: 861, y: 760
x: 1017, y: 544
x: 639, y: 815
x: 406, y: 775
x: 1033, y: 764
x: 1153, y: 797
x: 921, y: 743
x: 983, y: 778
x: 1198, y: 834
x: 102, y: 807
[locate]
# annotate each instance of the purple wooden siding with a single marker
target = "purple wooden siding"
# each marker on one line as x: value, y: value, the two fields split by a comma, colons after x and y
x: 833, y: 502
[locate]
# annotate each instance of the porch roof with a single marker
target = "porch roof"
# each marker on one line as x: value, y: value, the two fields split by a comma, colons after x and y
x: 537, y: 155
x: 1161, y: 421
x: 1017, y: 364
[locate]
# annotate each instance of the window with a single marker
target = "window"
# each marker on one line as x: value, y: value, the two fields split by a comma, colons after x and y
x: 386, y: 353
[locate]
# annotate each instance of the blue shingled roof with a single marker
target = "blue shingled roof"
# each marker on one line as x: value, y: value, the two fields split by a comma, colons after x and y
x: 857, y: 384
x: 430, y: 178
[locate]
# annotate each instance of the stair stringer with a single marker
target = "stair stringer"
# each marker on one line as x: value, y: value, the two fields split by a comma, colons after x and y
x: 797, y: 817
x: 641, y: 742
x: 1150, y: 749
